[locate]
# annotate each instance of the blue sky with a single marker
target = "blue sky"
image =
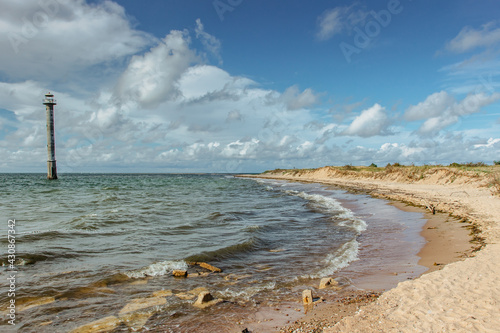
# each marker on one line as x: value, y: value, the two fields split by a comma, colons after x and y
x: 245, y: 86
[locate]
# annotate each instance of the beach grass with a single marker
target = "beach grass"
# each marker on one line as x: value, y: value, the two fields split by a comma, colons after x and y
x: 488, y: 175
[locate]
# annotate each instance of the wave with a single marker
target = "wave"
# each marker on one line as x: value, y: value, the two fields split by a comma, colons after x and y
x: 215, y: 215
x: 111, y: 188
x: 253, y: 228
x: 111, y: 198
x: 226, y: 252
x: 341, y: 258
x: 248, y: 292
x: 50, y: 234
x: 23, y: 259
x: 58, y: 234
x: 334, y: 208
x: 158, y: 269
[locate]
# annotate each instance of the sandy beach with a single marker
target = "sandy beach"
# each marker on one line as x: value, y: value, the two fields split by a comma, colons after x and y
x: 463, y: 296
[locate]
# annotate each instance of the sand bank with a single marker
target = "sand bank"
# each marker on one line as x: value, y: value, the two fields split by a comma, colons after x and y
x: 463, y: 296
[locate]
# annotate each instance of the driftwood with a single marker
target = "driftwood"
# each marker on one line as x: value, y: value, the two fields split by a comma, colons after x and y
x: 430, y: 207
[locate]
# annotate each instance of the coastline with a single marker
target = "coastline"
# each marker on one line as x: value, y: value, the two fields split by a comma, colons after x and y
x: 455, y: 294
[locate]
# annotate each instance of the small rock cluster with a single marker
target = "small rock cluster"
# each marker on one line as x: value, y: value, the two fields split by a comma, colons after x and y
x: 136, y: 313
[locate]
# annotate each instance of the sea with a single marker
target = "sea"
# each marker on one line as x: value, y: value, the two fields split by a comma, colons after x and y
x: 86, y: 245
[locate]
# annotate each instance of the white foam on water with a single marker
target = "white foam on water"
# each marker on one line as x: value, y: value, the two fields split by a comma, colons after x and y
x: 253, y: 228
x: 333, y: 207
x: 249, y: 292
x: 270, y: 182
x: 346, y: 254
x: 158, y: 269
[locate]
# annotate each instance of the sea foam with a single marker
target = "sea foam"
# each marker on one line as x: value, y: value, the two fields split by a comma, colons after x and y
x: 158, y: 269
x: 334, y: 208
x: 341, y: 258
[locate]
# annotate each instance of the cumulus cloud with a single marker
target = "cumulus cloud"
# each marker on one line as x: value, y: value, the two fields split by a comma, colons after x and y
x: 433, y: 106
x: 295, y: 100
x: 333, y: 21
x: 51, y: 38
x: 165, y: 110
x: 400, y: 152
x: 241, y: 149
x: 212, y: 44
x: 469, y: 38
x: 442, y: 110
x: 370, y: 122
x: 204, y: 82
x: 153, y: 77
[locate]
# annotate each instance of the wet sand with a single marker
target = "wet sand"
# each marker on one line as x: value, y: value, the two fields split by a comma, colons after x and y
x: 446, y: 241
x: 462, y: 296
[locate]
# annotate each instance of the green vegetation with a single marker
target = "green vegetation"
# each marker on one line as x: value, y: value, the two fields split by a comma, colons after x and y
x: 479, y: 167
x: 468, y: 165
x: 350, y: 168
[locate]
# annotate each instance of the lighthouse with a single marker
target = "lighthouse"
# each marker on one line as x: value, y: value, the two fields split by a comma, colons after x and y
x: 49, y: 103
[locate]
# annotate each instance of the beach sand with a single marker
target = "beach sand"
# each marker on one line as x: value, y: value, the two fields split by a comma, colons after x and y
x: 462, y: 296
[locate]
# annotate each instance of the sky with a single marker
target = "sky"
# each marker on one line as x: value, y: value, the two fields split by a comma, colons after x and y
x: 247, y: 86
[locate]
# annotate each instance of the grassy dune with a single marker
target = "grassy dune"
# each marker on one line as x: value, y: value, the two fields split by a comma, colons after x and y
x: 485, y: 175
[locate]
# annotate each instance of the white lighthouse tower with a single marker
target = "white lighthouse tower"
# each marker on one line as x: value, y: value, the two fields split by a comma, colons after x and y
x: 49, y: 103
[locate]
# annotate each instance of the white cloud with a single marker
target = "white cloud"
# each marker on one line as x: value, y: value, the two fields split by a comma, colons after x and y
x: 212, y: 44
x: 153, y: 77
x: 370, y: 122
x: 333, y: 21
x: 400, y: 152
x: 241, y: 149
x: 305, y: 147
x: 22, y: 97
x: 330, y: 23
x: 164, y: 110
x: 49, y: 39
x: 210, y: 82
x: 433, y: 106
x: 490, y: 143
x: 441, y: 110
x: 295, y: 100
x: 469, y: 38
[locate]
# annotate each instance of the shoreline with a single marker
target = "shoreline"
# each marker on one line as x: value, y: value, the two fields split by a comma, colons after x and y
x: 434, y: 255
x: 423, y: 304
x: 447, y: 239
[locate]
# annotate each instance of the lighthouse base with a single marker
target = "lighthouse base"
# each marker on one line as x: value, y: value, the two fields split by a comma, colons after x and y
x: 52, y: 170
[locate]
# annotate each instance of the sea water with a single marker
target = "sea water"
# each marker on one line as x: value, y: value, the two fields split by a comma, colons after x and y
x: 88, y: 244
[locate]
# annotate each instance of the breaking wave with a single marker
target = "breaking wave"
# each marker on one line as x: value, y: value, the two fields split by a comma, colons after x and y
x: 341, y: 258
x: 226, y: 252
x: 332, y: 207
x: 158, y: 269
